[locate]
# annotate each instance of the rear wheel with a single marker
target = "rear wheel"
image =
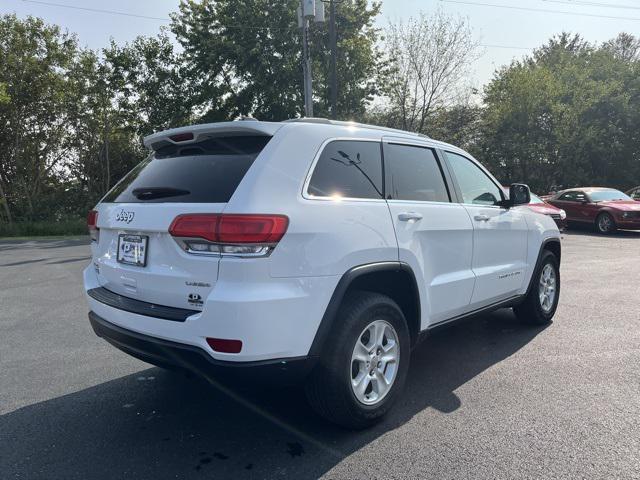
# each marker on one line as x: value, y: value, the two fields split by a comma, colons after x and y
x: 605, y: 223
x: 541, y: 302
x: 365, y: 362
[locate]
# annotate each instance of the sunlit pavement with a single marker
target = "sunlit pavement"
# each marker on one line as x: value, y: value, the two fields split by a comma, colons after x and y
x: 486, y: 399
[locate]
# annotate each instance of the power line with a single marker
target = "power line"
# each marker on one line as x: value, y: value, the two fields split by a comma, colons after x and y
x: 591, y: 4
x: 528, y: 9
x: 166, y: 19
x: 135, y: 15
x: 98, y: 10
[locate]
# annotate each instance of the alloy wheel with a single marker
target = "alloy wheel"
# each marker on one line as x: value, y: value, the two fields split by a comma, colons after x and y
x: 547, y: 288
x: 605, y: 223
x: 374, y: 362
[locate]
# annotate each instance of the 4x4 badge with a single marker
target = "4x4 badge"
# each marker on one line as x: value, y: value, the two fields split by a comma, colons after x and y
x: 195, y: 299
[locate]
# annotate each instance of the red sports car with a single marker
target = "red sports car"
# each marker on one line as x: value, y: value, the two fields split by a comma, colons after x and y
x: 540, y: 206
x: 605, y: 208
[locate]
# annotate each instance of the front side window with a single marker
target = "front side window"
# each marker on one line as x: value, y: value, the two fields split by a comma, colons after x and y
x: 475, y: 186
x: 413, y: 173
x: 573, y: 197
x: 348, y: 169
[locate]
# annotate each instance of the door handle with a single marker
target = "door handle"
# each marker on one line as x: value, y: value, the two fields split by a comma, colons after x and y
x: 481, y: 218
x: 406, y: 216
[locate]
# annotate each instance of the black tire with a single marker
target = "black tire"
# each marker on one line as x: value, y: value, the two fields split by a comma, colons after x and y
x: 531, y: 310
x: 329, y: 389
x: 603, y: 226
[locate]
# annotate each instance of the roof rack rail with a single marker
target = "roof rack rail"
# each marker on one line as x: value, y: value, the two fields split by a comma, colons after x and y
x: 309, y: 120
x: 327, y: 121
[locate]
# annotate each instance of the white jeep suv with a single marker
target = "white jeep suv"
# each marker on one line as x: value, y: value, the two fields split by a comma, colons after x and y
x: 310, y: 250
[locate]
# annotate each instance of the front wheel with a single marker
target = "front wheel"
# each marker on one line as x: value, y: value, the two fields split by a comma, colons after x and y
x: 365, y: 362
x: 541, y: 301
x: 605, y: 223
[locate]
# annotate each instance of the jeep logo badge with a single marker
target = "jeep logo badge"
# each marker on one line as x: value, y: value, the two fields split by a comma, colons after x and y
x: 124, y: 216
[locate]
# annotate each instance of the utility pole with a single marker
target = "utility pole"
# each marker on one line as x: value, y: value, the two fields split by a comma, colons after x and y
x: 307, y: 10
x: 334, y: 53
x: 306, y: 68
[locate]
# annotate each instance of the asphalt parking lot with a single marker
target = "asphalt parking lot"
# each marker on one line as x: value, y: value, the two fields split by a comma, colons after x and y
x: 487, y: 399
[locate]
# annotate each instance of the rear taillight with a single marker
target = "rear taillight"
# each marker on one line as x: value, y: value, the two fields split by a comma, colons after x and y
x: 252, y: 228
x: 92, y: 225
x: 195, y: 226
x: 232, y: 234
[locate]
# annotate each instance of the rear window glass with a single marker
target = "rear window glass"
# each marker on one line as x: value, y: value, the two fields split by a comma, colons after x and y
x: 205, y: 172
x: 348, y: 168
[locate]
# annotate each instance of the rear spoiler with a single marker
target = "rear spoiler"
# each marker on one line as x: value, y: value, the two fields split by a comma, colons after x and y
x: 195, y: 133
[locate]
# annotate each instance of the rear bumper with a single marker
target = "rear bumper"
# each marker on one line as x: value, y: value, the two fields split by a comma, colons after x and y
x: 274, y: 318
x: 168, y: 354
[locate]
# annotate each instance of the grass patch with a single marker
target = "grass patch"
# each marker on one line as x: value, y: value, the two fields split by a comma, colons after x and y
x: 44, y: 228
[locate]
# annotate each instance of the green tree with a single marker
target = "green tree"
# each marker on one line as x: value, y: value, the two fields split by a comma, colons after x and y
x: 458, y: 125
x: 566, y: 116
x: 105, y: 144
x: 4, y: 96
x: 149, y: 84
x: 70, y: 121
x: 244, y: 58
x: 429, y: 58
x: 34, y: 134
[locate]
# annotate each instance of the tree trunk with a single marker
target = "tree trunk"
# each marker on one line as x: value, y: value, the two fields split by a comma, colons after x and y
x: 5, y: 203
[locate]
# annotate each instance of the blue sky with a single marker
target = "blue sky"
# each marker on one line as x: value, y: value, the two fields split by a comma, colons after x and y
x: 495, y: 27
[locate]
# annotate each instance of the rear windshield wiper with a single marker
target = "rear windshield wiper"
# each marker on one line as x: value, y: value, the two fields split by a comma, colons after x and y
x: 150, y: 193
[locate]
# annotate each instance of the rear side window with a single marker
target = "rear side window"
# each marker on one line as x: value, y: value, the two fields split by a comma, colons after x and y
x: 413, y: 173
x: 348, y: 168
x: 205, y: 172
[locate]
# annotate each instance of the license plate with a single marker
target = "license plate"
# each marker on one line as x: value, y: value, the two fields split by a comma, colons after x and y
x: 132, y: 249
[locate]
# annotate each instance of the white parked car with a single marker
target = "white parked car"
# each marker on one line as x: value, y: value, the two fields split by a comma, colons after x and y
x: 310, y: 250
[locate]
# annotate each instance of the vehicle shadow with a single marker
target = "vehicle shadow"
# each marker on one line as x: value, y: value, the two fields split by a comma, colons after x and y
x: 158, y: 424
x: 588, y: 231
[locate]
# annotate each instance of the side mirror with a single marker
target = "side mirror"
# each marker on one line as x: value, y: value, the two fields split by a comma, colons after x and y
x: 519, y: 194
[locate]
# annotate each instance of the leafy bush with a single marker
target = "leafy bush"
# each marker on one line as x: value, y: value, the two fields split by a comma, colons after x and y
x: 45, y: 228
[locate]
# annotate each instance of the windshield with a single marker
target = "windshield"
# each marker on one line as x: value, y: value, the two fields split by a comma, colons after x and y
x: 607, y: 195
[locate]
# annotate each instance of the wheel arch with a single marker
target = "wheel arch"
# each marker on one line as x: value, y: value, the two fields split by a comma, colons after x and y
x: 554, y: 246
x: 395, y: 279
x: 609, y: 211
x: 551, y: 245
